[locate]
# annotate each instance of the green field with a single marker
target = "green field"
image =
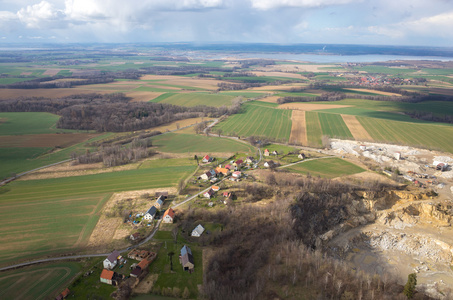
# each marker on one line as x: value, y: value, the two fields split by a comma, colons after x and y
x: 421, y: 135
x: 326, y: 167
x: 180, y: 143
x: 195, y: 99
x: 14, y: 123
x: 62, y: 212
x: 314, y: 130
x: 14, y: 160
x: 258, y: 119
x: 37, y: 282
x: 178, y: 277
x: 334, y: 126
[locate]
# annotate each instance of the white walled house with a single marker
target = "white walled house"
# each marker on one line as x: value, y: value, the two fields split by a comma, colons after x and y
x: 169, y: 216
x: 111, y: 261
x: 150, y: 214
x: 198, y: 231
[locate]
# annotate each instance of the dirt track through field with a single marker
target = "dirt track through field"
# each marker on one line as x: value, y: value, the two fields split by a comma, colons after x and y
x: 358, y: 132
x: 298, y: 128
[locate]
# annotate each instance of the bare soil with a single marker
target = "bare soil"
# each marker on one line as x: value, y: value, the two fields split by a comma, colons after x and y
x: 298, y: 128
x: 357, y: 130
x: 271, y: 99
x: 143, y: 96
x: 51, y: 72
x: 146, y: 285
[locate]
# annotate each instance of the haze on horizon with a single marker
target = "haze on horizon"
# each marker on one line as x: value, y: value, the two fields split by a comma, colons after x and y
x: 383, y: 22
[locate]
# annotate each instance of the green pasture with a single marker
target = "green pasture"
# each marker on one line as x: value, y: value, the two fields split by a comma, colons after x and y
x: 37, y: 282
x: 178, y: 277
x: 10, y: 80
x: 314, y: 129
x: 419, y: 135
x: 15, y: 160
x: 180, y: 143
x: 168, y: 162
x: 245, y: 94
x: 326, y: 167
x: 195, y: 99
x: 258, y: 119
x: 162, y: 97
x: 334, y: 126
x: 15, y: 123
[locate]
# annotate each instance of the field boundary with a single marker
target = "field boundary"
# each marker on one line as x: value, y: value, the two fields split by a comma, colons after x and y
x: 298, y: 128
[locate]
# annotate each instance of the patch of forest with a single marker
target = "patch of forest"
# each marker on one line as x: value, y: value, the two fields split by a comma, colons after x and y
x: 111, y: 112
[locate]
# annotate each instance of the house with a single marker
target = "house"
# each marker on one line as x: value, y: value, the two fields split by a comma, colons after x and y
x: 266, y: 152
x: 249, y: 160
x: 150, y: 214
x: 226, y: 194
x: 209, y: 174
x: 228, y: 167
x: 274, y: 152
x: 137, y: 271
x: 207, y: 159
x: 198, y: 231
x: 169, y: 216
x: 209, y: 193
x: 237, y: 174
x: 111, y: 261
x: 63, y: 294
x: 238, y: 163
x: 159, y: 202
x: 223, y: 171
x: 163, y: 194
x: 144, y: 263
x: 186, y: 259
x: 270, y: 164
x: 141, y: 254
x: 134, y: 236
x: 107, y: 276
x: 215, y: 188
x: 301, y: 156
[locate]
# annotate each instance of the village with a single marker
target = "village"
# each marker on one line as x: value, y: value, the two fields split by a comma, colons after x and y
x: 215, y: 184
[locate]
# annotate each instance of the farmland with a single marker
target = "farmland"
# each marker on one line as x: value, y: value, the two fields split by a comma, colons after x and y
x: 182, y: 143
x: 334, y: 126
x: 314, y: 130
x: 14, y: 123
x: 259, y: 120
x: 422, y: 135
x: 326, y: 167
x: 36, y: 282
x: 62, y: 212
x: 194, y: 99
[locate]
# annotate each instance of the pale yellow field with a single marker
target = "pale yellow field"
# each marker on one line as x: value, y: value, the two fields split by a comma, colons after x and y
x: 374, y: 91
x: 298, y: 128
x: 182, y: 123
x: 358, y: 132
x: 277, y: 87
x: 310, y: 106
x: 271, y: 99
x: 51, y: 72
x: 46, y: 93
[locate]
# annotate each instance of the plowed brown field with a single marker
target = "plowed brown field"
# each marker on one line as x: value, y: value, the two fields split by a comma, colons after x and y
x: 298, y: 128
x: 356, y: 129
x: 44, y: 140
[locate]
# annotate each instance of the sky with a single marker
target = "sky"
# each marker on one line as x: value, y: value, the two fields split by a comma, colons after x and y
x: 376, y: 22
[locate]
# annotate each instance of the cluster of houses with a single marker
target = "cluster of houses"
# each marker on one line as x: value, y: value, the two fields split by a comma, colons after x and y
x: 108, y: 276
x: 168, y: 216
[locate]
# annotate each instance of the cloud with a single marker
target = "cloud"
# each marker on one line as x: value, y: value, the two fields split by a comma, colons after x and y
x: 40, y: 15
x: 270, y: 4
x: 437, y: 26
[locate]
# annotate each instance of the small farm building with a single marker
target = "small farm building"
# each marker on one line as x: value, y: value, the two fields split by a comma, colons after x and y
x: 198, y: 231
x: 150, y: 214
x: 107, y: 276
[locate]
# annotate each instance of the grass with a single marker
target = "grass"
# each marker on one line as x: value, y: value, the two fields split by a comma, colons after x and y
x: 37, y: 282
x: 178, y: 278
x: 195, y: 99
x: 326, y: 167
x: 314, y: 129
x: 180, y: 143
x: 259, y: 119
x: 162, y: 97
x: 334, y: 126
x: 20, y: 159
x: 15, y: 123
x: 62, y: 212
x: 418, y: 135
